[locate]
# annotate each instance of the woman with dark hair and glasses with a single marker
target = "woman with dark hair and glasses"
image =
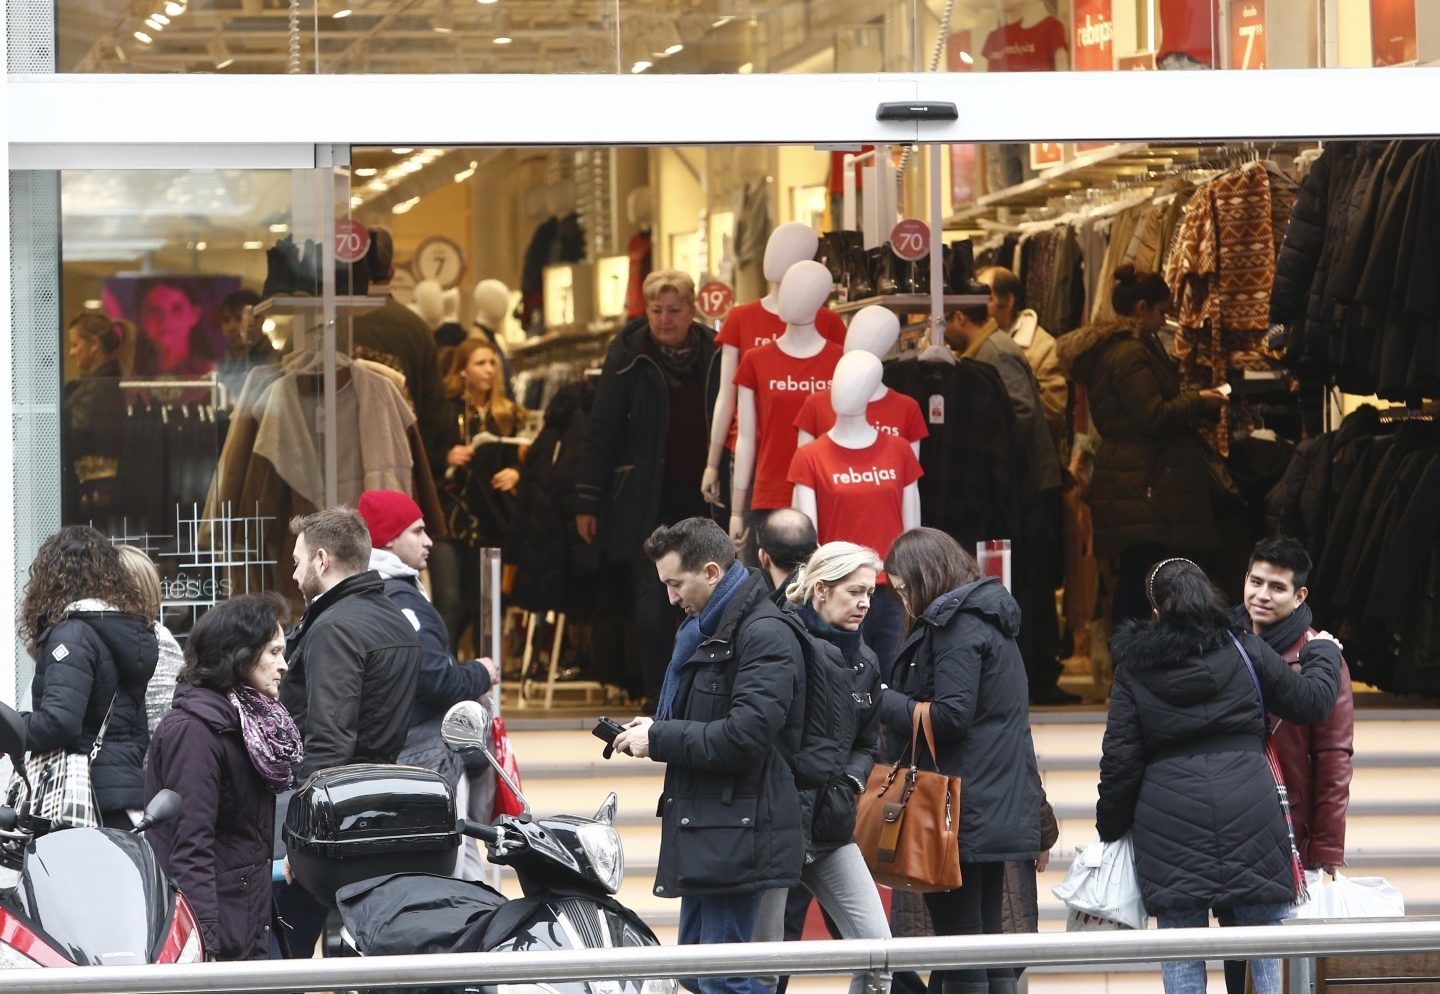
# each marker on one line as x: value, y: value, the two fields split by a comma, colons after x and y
x: 960, y: 655
x: 227, y: 746
x: 1183, y: 765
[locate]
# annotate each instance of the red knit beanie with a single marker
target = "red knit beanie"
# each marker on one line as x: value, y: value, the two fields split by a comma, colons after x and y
x: 387, y: 513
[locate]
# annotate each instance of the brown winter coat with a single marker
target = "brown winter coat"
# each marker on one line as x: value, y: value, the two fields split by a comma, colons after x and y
x: 1151, y: 481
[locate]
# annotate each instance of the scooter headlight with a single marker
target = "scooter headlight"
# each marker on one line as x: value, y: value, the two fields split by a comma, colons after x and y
x: 602, y: 848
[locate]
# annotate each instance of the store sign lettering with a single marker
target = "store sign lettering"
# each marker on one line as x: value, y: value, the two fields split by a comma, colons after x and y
x: 1247, y: 34
x: 1094, y: 36
x: 186, y: 588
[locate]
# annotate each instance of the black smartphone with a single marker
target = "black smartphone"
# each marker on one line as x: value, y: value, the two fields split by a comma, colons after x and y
x: 605, y: 730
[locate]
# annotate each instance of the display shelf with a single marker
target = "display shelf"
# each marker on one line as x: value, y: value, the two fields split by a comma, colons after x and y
x: 912, y: 303
x: 283, y: 305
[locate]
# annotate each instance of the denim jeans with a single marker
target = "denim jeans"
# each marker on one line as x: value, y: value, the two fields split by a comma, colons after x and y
x: 1188, y: 976
x: 842, y: 883
x: 712, y: 918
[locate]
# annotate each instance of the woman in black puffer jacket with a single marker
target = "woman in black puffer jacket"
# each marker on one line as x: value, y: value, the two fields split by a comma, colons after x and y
x: 1183, y: 765
x: 961, y: 655
x: 83, y: 620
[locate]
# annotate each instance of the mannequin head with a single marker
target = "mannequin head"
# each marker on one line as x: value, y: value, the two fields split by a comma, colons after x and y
x: 450, y: 301
x: 560, y: 197
x: 873, y: 329
x: 788, y: 244
x: 430, y: 302
x: 535, y: 204
x: 803, y: 291
x: 492, y: 301
x: 640, y: 206
x: 857, y: 377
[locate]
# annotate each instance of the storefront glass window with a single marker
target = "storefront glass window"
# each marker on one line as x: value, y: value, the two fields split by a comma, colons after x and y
x: 184, y: 296
x: 739, y: 36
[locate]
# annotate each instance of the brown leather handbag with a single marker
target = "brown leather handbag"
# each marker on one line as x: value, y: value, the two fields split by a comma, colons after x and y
x: 907, y: 822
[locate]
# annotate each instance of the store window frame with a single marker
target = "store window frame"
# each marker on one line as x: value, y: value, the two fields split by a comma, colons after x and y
x: 56, y: 122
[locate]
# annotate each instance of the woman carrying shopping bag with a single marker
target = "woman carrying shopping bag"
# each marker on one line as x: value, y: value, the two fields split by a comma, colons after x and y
x: 1183, y: 762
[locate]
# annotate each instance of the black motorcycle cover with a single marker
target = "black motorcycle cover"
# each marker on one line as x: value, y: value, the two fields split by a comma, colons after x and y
x: 403, y: 913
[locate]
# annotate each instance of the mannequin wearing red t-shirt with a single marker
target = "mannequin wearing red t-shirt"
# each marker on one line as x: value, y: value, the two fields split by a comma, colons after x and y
x: 1028, y: 39
x: 772, y: 383
x: 858, y: 484
x: 788, y: 244
x: 873, y: 329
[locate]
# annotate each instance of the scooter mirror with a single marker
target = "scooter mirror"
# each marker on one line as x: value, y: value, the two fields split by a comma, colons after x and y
x: 162, y: 807
x: 467, y: 726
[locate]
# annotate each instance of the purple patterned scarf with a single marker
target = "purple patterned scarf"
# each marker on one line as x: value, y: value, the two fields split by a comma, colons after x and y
x: 271, y: 738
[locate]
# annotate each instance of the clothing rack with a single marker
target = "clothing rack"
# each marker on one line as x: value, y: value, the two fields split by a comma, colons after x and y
x: 219, y: 396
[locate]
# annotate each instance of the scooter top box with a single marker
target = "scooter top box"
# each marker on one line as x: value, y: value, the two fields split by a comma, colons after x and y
x: 348, y: 823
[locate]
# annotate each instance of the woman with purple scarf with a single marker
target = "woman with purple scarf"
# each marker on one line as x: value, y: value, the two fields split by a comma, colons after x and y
x: 227, y: 747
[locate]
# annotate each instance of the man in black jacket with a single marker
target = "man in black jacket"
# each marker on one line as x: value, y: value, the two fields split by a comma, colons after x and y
x: 354, y: 659
x: 786, y: 542
x: 726, y: 726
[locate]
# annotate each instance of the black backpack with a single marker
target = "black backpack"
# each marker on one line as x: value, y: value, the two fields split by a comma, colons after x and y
x: 828, y: 729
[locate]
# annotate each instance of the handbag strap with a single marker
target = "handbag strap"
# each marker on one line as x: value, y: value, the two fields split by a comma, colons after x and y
x: 100, y: 735
x: 1249, y: 665
x: 920, y: 720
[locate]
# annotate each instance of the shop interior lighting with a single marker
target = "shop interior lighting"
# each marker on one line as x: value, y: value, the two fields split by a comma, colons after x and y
x: 366, y: 171
x: 466, y: 173
x: 252, y: 245
x: 153, y: 24
x: 967, y: 58
x: 143, y: 38
x: 160, y: 19
x: 219, y: 52
x: 174, y: 8
x: 378, y: 185
x: 746, y: 68
x: 402, y: 151
x: 444, y: 21
x: 340, y: 14
x: 120, y: 55
x: 201, y: 246
x: 279, y: 228
x: 501, y: 24
x: 404, y: 206
x: 92, y: 305
x: 486, y: 3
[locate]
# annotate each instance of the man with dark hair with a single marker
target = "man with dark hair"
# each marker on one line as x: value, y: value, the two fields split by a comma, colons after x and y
x: 1315, y: 759
x: 971, y: 332
x: 353, y: 659
x: 786, y: 541
x: 726, y: 727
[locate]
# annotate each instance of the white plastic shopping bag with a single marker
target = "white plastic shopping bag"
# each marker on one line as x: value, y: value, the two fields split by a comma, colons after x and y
x: 1349, y: 897
x: 1102, y: 884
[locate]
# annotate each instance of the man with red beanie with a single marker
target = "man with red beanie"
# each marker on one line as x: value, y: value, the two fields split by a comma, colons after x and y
x: 400, y: 548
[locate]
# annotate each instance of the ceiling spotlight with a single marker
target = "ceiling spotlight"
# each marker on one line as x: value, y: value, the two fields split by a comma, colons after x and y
x: 161, y: 18
x: 252, y: 245
x: 341, y: 14
x: 967, y: 58
x: 486, y: 3
x: 402, y: 151
x: 219, y: 52
x: 641, y: 65
x: 143, y: 38
x: 92, y: 305
x: 403, y: 207
x: 153, y: 24
x: 466, y: 173
x: 720, y: 22
x: 201, y: 246
x: 503, y: 39
x: 174, y: 8
x: 279, y: 228
x: 746, y: 68
x: 444, y: 22
x: 366, y: 171
x: 677, y: 47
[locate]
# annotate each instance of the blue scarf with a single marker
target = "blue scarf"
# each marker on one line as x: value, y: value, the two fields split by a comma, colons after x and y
x: 687, y: 639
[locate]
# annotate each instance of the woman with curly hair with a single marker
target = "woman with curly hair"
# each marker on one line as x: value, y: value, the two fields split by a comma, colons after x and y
x: 228, y: 746
x: 83, y: 621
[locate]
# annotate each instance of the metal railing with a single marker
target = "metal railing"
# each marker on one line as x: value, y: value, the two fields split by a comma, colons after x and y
x: 1082, y: 949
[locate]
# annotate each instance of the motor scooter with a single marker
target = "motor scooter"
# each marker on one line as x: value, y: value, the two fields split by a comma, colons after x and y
x: 569, y: 867
x: 86, y: 896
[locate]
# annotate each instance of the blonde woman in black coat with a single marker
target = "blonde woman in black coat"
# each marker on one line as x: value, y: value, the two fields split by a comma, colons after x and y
x: 1183, y: 766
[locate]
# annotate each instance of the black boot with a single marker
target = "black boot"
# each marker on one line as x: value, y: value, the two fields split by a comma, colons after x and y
x: 962, y: 269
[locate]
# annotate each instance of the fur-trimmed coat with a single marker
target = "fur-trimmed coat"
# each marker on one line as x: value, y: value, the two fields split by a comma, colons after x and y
x: 1151, y: 481
x: 1183, y: 763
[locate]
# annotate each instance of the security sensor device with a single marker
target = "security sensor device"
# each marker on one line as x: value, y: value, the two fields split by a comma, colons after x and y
x: 905, y: 110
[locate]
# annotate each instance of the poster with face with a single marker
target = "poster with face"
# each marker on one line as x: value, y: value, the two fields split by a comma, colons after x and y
x: 177, y: 320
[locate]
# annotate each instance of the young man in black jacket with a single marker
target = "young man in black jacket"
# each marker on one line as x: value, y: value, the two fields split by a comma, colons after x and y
x: 354, y: 659
x: 726, y: 726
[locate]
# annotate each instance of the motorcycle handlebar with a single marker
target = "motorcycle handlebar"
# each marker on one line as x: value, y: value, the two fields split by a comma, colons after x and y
x: 476, y: 830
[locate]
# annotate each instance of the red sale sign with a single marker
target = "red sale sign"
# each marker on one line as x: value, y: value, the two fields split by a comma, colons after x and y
x: 714, y: 299
x: 1247, y: 34
x: 352, y: 240
x: 1094, y: 36
x: 911, y: 239
x: 1392, y: 32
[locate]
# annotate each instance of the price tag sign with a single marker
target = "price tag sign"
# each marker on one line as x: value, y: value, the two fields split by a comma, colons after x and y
x: 715, y: 299
x: 352, y: 240
x: 911, y: 239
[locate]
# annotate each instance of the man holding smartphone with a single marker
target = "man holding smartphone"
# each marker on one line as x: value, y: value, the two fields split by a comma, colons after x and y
x: 727, y: 723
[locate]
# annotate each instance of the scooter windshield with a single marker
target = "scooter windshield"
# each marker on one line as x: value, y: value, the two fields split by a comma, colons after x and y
x: 98, y: 894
